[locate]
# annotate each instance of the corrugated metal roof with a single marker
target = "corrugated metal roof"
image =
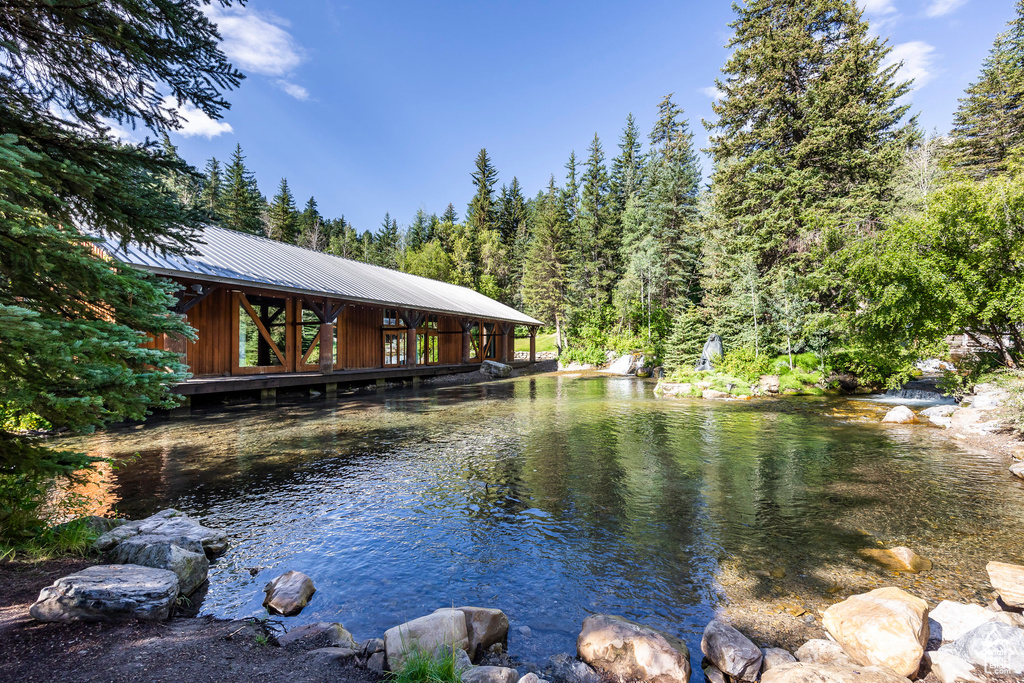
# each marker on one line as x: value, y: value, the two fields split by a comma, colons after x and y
x: 232, y: 257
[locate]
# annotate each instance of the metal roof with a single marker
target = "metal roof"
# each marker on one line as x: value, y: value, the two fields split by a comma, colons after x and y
x: 236, y: 258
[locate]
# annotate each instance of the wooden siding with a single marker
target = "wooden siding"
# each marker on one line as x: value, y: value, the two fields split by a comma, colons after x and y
x: 449, y: 340
x: 359, y: 338
x: 211, y: 353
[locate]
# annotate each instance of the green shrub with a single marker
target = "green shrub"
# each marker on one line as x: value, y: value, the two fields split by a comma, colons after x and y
x: 745, y: 364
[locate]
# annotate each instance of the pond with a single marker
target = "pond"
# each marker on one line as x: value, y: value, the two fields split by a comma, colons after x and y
x: 556, y: 496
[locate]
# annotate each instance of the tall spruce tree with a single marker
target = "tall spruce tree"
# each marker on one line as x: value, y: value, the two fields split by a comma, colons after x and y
x: 596, y: 256
x: 481, y: 212
x: 241, y: 199
x: 627, y: 167
x: 387, y: 243
x: 808, y: 137
x: 989, y: 123
x: 313, y: 230
x: 282, y: 215
x: 73, y: 325
x: 211, y: 194
x: 544, y: 285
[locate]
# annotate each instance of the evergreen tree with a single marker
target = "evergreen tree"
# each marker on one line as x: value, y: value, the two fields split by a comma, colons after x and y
x: 544, y: 287
x: 627, y: 167
x: 210, y: 197
x: 72, y: 325
x: 449, y: 215
x: 571, y: 193
x: 809, y: 136
x: 387, y: 243
x: 344, y: 240
x: 420, y: 230
x: 511, y: 214
x: 241, y: 199
x: 313, y: 232
x: 988, y: 125
x: 481, y: 212
x: 181, y: 180
x: 282, y: 215
x: 595, y: 259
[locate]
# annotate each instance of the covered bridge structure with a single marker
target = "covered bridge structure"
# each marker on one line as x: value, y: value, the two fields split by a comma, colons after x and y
x: 269, y: 314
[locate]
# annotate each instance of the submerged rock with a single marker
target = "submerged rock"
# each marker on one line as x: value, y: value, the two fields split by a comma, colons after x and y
x: 490, y: 368
x: 1008, y: 580
x: 109, y: 592
x: 885, y: 627
x: 900, y: 415
x: 429, y: 633
x: 288, y: 594
x: 564, y: 668
x: 731, y: 651
x: 631, y: 651
x: 899, y: 559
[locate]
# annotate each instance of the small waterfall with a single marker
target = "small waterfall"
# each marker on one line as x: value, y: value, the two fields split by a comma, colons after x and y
x: 623, y: 365
x: 914, y: 395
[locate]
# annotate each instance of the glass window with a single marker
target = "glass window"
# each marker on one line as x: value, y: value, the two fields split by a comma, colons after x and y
x: 254, y: 348
x: 394, y: 348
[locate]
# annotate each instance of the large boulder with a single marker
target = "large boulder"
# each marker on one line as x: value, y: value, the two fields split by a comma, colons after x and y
x: 731, y: 651
x: 631, y: 651
x: 900, y: 415
x: 319, y: 635
x: 484, y: 626
x: 993, y: 647
x: 184, y: 556
x: 711, y: 353
x: 429, y: 633
x: 490, y: 674
x: 1008, y: 580
x: 950, y: 620
x: 948, y: 668
x: 109, y: 592
x: 287, y: 594
x: 166, y: 525
x: 803, y: 672
x: 821, y: 651
x: 885, y: 627
x: 898, y: 559
x: 489, y: 368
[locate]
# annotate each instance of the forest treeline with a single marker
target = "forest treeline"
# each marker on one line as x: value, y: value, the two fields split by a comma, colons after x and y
x: 815, y: 157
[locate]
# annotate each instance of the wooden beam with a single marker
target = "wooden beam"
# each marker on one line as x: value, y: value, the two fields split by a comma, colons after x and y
x: 466, y: 324
x: 185, y: 305
x: 533, y: 344
x: 305, y: 356
x: 326, y: 335
x: 261, y: 328
x: 412, y: 321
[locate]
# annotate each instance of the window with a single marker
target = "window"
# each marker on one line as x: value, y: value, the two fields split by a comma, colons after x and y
x: 490, y: 341
x: 310, y: 338
x: 474, y: 341
x: 394, y: 339
x: 426, y: 341
x: 262, y: 331
x: 390, y: 317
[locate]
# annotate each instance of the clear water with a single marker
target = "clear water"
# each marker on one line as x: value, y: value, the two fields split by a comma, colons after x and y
x: 553, y: 497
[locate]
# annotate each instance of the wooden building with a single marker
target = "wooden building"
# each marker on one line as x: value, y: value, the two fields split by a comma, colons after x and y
x: 269, y: 315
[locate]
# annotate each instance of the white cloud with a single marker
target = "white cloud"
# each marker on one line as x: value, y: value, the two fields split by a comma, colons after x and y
x: 293, y: 89
x: 917, y: 57
x: 260, y: 44
x: 878, y: 7
x: 194, y: 122
x: 713, y: 92
x: 940, y: 8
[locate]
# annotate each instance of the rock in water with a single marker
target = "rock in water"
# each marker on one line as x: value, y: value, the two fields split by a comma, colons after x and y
x: 631, y: 651
x: 566, y: 669
x: 900, y: 415
x: 731, y: 651
x: 1008, y: 580
x: 950, y: 620
x: 949, y: 668
x: 885, y: 627
x: 898, y: 559
x: 774, y: 656
x: 184, y: 556
x: 166, y: 525
x: 109, y: 592
x: 495, y: 370
x: 288, y: 593
x: 318, y: 636
x: 713, y: 675
x: 484, y: 627
x: 714, y: 393
x: 821, y: 651
x: 429, y: 633
x: 993, y: 647
x: 490, y: 674
x: 802, y: 672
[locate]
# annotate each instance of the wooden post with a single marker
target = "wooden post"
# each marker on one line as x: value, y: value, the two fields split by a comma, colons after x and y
x: 326, y: 348
x: 533, y: 344
x: 503, y: 354
x: 466, y: 326
x: 412, y: 322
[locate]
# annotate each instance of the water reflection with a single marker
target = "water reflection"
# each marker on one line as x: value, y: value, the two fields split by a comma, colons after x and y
x: 555, y: 497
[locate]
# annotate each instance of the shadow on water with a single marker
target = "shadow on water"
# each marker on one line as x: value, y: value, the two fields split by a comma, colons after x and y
x: 554, y: 497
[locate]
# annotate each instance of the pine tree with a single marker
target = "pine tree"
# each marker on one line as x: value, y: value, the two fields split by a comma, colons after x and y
x: 571, y: 193
x: 419, y: 232
x: 481, y: 212
x: 449, y: 215
x: 544, y: 285
x: 282, y: 215
x: 596, y: 256
x: 72, y: 325
x: 182, y: 180
x: 809, y: 136
x: 386, y: 245
x: 210, y: 197
x: 241, y: 200
x: 988, y: 125
x: 627, y: 167
x: 511, y: 214
x: 313, y: 233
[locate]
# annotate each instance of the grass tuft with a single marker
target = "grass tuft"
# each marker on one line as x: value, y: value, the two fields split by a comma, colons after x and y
x: 421, y: 666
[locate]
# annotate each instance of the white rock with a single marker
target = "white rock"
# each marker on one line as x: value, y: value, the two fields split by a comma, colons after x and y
x: 900, y: 415
x: 805, y: 672
x: 774, y: 656
x: 993, y: 647
x: 950, y: 620
x: 169, y: 525
x: 886, y: 627
x: 1017, y: 469
x: 1008, y: 580
x: 731, y: 651
x: 949, y: 668
x: 109, y: 592
x: 429, y: 633
x: 631, y: 651
x: 821, y: 651
x: 184, y: 556
x: 939, y: 411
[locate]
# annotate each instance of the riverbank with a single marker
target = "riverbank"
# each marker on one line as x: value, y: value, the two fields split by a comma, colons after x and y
x: 197, y: 650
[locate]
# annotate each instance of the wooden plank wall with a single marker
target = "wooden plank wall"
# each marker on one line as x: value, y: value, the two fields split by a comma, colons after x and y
x: 359, y: 337
x: 449, y: 340
x: 211, y: 354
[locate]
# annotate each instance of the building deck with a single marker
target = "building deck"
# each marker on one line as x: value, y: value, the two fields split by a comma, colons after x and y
x: 217, y: 385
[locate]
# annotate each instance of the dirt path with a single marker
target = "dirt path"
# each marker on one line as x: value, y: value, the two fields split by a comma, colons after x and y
x: 181, y: 650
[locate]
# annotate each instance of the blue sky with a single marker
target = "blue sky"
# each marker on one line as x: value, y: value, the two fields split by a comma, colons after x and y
x: 382, y: 106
